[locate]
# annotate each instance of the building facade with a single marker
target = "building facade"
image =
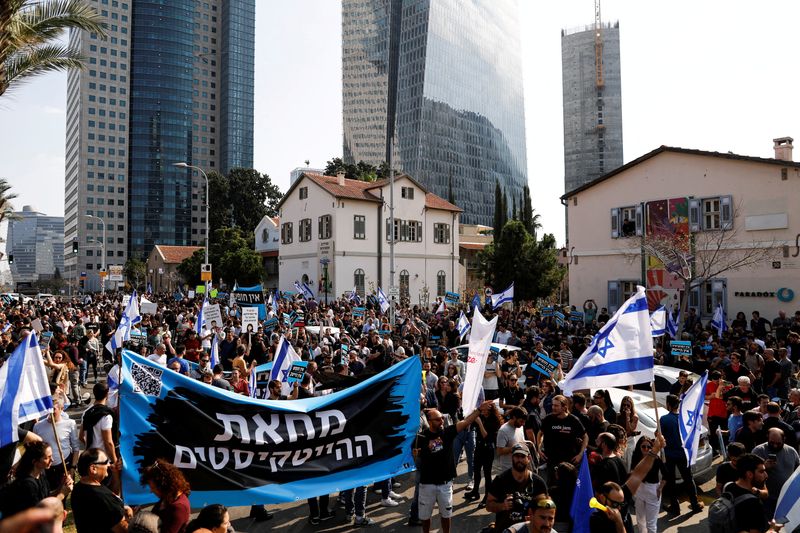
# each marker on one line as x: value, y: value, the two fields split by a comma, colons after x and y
x: 162, y: 266
x: 36, y: 242
x: 592, y: 100
x: 172, y: 82
x: 704, y: 203
x: 267, y: 244
x: 471, y: 242
x: 445, y: 78
x: 333, y: 226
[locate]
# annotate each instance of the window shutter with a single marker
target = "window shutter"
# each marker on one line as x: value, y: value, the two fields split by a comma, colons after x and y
x: 404, y: 230
x: 388, y: 230
x: 613, y: 296
x: 694, y: 299
x: 615, y: 223
x: 319, y: 227
x: 639, y: 221
x: 726, y: 212
x: 694, y: 215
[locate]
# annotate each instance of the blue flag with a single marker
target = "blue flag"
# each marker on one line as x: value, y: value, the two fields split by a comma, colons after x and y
x: 579, y: 511
x: 235, y: 450
x: 718, y: 322
x: 620, y: 354
x: 476, y: 302
x: 690, y: 418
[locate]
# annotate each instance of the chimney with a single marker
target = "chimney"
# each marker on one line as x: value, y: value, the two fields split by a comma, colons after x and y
x: 783, y: 148
x: 340, y: 175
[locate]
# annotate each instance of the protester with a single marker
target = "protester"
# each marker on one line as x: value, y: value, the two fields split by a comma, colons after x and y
x: 30, y: 485
x: 648, y: 497
x: 487, y: 425
x: 517, y: 480
x: 780, y: 461
x: 676, y: 459
x: 212, y: 519
x: 540, y: 518
x: 66, y: 436
x: 167, y: 483
x: 94, y: 506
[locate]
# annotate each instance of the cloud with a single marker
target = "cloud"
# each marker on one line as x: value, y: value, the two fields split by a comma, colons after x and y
x: 53, y: 110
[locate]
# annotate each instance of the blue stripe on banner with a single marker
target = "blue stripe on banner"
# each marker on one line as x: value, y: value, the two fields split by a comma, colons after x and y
x: 35, y: 406
x: 790, y: 497
x: 640, y: 304
x: 15, y: 364
x: 622, y: 366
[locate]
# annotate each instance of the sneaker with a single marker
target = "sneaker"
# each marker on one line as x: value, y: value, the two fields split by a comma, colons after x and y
x: 313, y: 520
x: 396, y: 484
x: 470, y: 486
x: 394, y: 496
x: 388, y: 502
x: 361, y: 521
x: 377, y: 491
x: 413, y: 522
x: 326, y: 517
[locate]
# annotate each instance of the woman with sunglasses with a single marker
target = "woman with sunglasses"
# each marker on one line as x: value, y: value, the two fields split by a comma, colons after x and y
x: 167, y: 482
x: 648, y: 497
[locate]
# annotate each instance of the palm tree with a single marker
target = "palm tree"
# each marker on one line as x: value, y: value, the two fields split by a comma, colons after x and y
x: 29, y: 37
x: 535, y: 224
x: 6, y: 209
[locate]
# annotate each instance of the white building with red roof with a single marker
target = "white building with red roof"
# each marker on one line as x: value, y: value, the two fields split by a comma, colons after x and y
x: 345, y: 223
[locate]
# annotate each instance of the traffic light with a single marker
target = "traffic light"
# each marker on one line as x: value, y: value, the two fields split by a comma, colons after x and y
x: 83, y: 284
x: 75, y: 247
x: 10, y: 258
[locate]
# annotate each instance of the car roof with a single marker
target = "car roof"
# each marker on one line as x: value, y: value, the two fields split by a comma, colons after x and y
x: 495, y: 347
x: 671, y: 372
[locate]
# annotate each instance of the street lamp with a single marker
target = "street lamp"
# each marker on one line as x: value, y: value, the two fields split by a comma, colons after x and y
x: 103, y: 251
x: 208, y: 202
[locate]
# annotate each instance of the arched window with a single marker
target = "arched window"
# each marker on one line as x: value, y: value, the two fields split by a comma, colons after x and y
x: 264, y: 235
x: 358, y: 281
x: 305, y: 278
x: 404, y: 282
x: 441, y: 283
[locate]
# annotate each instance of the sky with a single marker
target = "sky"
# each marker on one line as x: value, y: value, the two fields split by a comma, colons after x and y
x: 710, y: 75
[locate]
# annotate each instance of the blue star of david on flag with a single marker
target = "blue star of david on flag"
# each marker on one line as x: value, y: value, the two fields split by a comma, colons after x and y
x: 603, y: 350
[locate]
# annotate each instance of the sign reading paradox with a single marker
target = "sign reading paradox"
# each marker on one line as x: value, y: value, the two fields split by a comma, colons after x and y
x: 681, y: 348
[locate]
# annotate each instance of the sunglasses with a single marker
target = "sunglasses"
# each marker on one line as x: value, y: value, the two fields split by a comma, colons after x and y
x: 205, y: 360
x: 614, y: 504
x: 103, y: 463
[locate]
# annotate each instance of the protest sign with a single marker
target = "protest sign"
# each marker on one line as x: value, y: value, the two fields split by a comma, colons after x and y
x: 44, y: 339
x: 544, y: 364
x: 249, y: 319
x: 547, y: 312
x: 212, y: 315
x: 200, y: 289
x: 36, y: 324
x: 236, y: 450
x: 147, y: 307
x: 575, y: 316
x: 452, y: 297
x: 271, y: 324
x: 251, y: 297
x: 681, y: 348
x: 191, y: 294
x: 297, y: 371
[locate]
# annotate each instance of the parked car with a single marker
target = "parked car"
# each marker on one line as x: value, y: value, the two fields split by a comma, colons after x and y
x: 495, y: 348
x: 646, y: 410
x: 664, y: 377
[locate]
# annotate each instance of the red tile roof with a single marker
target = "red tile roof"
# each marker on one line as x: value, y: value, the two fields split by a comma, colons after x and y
x: 355, y: 189
x: 176, y: 254
x: 435, y: 202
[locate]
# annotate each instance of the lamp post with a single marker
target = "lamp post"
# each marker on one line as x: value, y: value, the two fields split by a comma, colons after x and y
x: 208, y: 202
x: 103, y: 250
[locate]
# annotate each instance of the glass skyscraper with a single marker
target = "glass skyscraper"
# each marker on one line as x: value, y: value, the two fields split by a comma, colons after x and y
x: 172, y: 82
x: 445, y: 76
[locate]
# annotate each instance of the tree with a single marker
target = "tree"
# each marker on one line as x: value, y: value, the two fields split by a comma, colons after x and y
x: 6, y: 208
x: 231, y: 252
x: 517, y: 257
x: 527, y: 211
x: 500, y: 211
x: 31, y: 37
x: 361, y: 171
x: 700, y: 257
x: 241, y: 199
x: 135, y: 272
x: 514, y: 208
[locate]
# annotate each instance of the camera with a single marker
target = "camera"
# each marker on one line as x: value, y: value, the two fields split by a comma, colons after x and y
x: 521, y: 501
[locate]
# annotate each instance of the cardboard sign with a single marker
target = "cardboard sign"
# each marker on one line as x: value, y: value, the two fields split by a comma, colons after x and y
x: 271, y: 324
x: 36, y: 324
x: 213, y: 316
x: 147, y: 307
x: 249, y: 319
x: 44, y: 339
x: 544, y: 364
x: 452, y: 297
x: 681, y: 348
x: 200, y: 289
x: 125, y: 299
x: 576, y: 316
x: 191, y: 294
x: 547, y: 312
x: 297, y: 371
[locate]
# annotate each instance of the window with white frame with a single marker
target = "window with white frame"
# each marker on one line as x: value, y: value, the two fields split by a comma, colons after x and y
x: 286, y: 233
x: 441, y: 283
x: 711, y: 213
x: 358, y: 281
x: 359, y: 227
x: 414, y: 231
x: 441, y: 233
x: 303, y: 193
x: 626, y: 221
x: 325, y: 225
x: 407, y: 193
x: 305, y: 230
x: 404, y: 284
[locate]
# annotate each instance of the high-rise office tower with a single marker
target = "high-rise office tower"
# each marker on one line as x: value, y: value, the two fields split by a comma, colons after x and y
x: 35, y: 241
x: 445, y: 78
x: 172, y: 82
x: 592, y: 88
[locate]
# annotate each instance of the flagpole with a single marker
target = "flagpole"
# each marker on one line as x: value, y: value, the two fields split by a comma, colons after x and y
x: 58, y: 443
x: 655, y: 408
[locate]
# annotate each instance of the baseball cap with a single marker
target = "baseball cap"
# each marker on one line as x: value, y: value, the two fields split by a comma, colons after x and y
x: 521, y: 449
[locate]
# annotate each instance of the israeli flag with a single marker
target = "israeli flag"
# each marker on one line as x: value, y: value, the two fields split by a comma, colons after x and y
x: 672, y: 324
x: 718, y: 321
x: 690, y: 416
x: 442, y: 308
x: 284, y: 357
x: 620, y: 354
x: 476, y: 302
x: 25, y: 390
x: 463, y: 325
x: 149, y: 288
x: 787, y: 511
x: 303, y: 289
x: 252, y: 384
x: 354, y: 297
x: 214, y: 356
x: 198, y: 326
x: 658, y: 322
x: 383, y: 300
x: 129, y: 318
x: 503, y: 297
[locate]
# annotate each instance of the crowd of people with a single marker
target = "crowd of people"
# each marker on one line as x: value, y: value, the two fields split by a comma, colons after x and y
x: 521, y: 448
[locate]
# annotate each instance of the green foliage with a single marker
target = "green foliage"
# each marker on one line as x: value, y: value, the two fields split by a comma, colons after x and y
x: 31, y: 34
x: 356, y: 171
x: 241, y: 199
x: 516, y: 256
x: 135, y: 272
x: 232, y: 256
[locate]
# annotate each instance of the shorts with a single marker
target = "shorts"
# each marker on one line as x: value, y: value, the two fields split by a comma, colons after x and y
x: 430, y: 494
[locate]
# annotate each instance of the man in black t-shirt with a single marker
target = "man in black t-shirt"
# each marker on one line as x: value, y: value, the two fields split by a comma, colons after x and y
x: 519, y: 478
x: 749, y: 511
x: 95, y: 508
x: 563, y: 437
x: 437, y: 468
x: 726, y: 472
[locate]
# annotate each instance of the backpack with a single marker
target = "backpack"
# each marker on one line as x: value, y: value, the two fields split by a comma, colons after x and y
x: 722, y: 513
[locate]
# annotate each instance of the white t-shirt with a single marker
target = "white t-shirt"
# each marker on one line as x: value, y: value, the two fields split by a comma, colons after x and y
x: 97, y: 431
x: 507, y: 436
x: 160, y: 359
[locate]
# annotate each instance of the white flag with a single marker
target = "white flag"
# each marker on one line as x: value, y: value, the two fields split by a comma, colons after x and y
x: 284, y: 357
x: 658, y: 322
x: 480, y: 340
x: 690, y: 416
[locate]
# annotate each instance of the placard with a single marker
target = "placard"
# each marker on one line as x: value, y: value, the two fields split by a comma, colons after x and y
x: 36, y: 324
x: 359, y: 311
x: 576, y: 316
x: 147, y: 307
x: 297, y: 371
x: 44, y: 339
x: 547, y: 312
x: 213, y: 316
x: 249, y: 319
x: 544, y: 364
x: 191, y: 294
x: 271, y: 324
x: 452, y: 297
x: 681, y: 348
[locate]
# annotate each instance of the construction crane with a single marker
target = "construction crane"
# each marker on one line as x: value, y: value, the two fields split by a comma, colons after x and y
x: 598, y: 46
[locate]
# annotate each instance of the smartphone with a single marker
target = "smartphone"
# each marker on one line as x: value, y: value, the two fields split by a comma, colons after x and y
x: 772, y: 457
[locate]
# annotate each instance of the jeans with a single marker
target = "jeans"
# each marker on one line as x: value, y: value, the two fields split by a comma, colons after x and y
x: 355, y: 500
x: 465, y: 440
x: 414, y: 511
x: 83, y: 368
x: 319, y: 506
x: 74, y: 387
x: 484, y: 457
x: 680, y: 464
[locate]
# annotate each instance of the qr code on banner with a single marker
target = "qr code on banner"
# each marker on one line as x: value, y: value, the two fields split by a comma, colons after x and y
x: 146, y: 380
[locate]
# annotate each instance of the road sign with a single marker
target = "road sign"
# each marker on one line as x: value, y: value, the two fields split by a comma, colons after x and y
x: 115, y: 273
x: 205, y: 276
x: 83, y: 275
x: 394, y: 291
x: 103, y: 273
x: 205, y: 267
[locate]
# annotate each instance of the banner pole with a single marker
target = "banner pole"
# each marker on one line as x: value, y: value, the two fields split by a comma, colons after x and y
x: 58, y: 443
x: 655, y: 408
